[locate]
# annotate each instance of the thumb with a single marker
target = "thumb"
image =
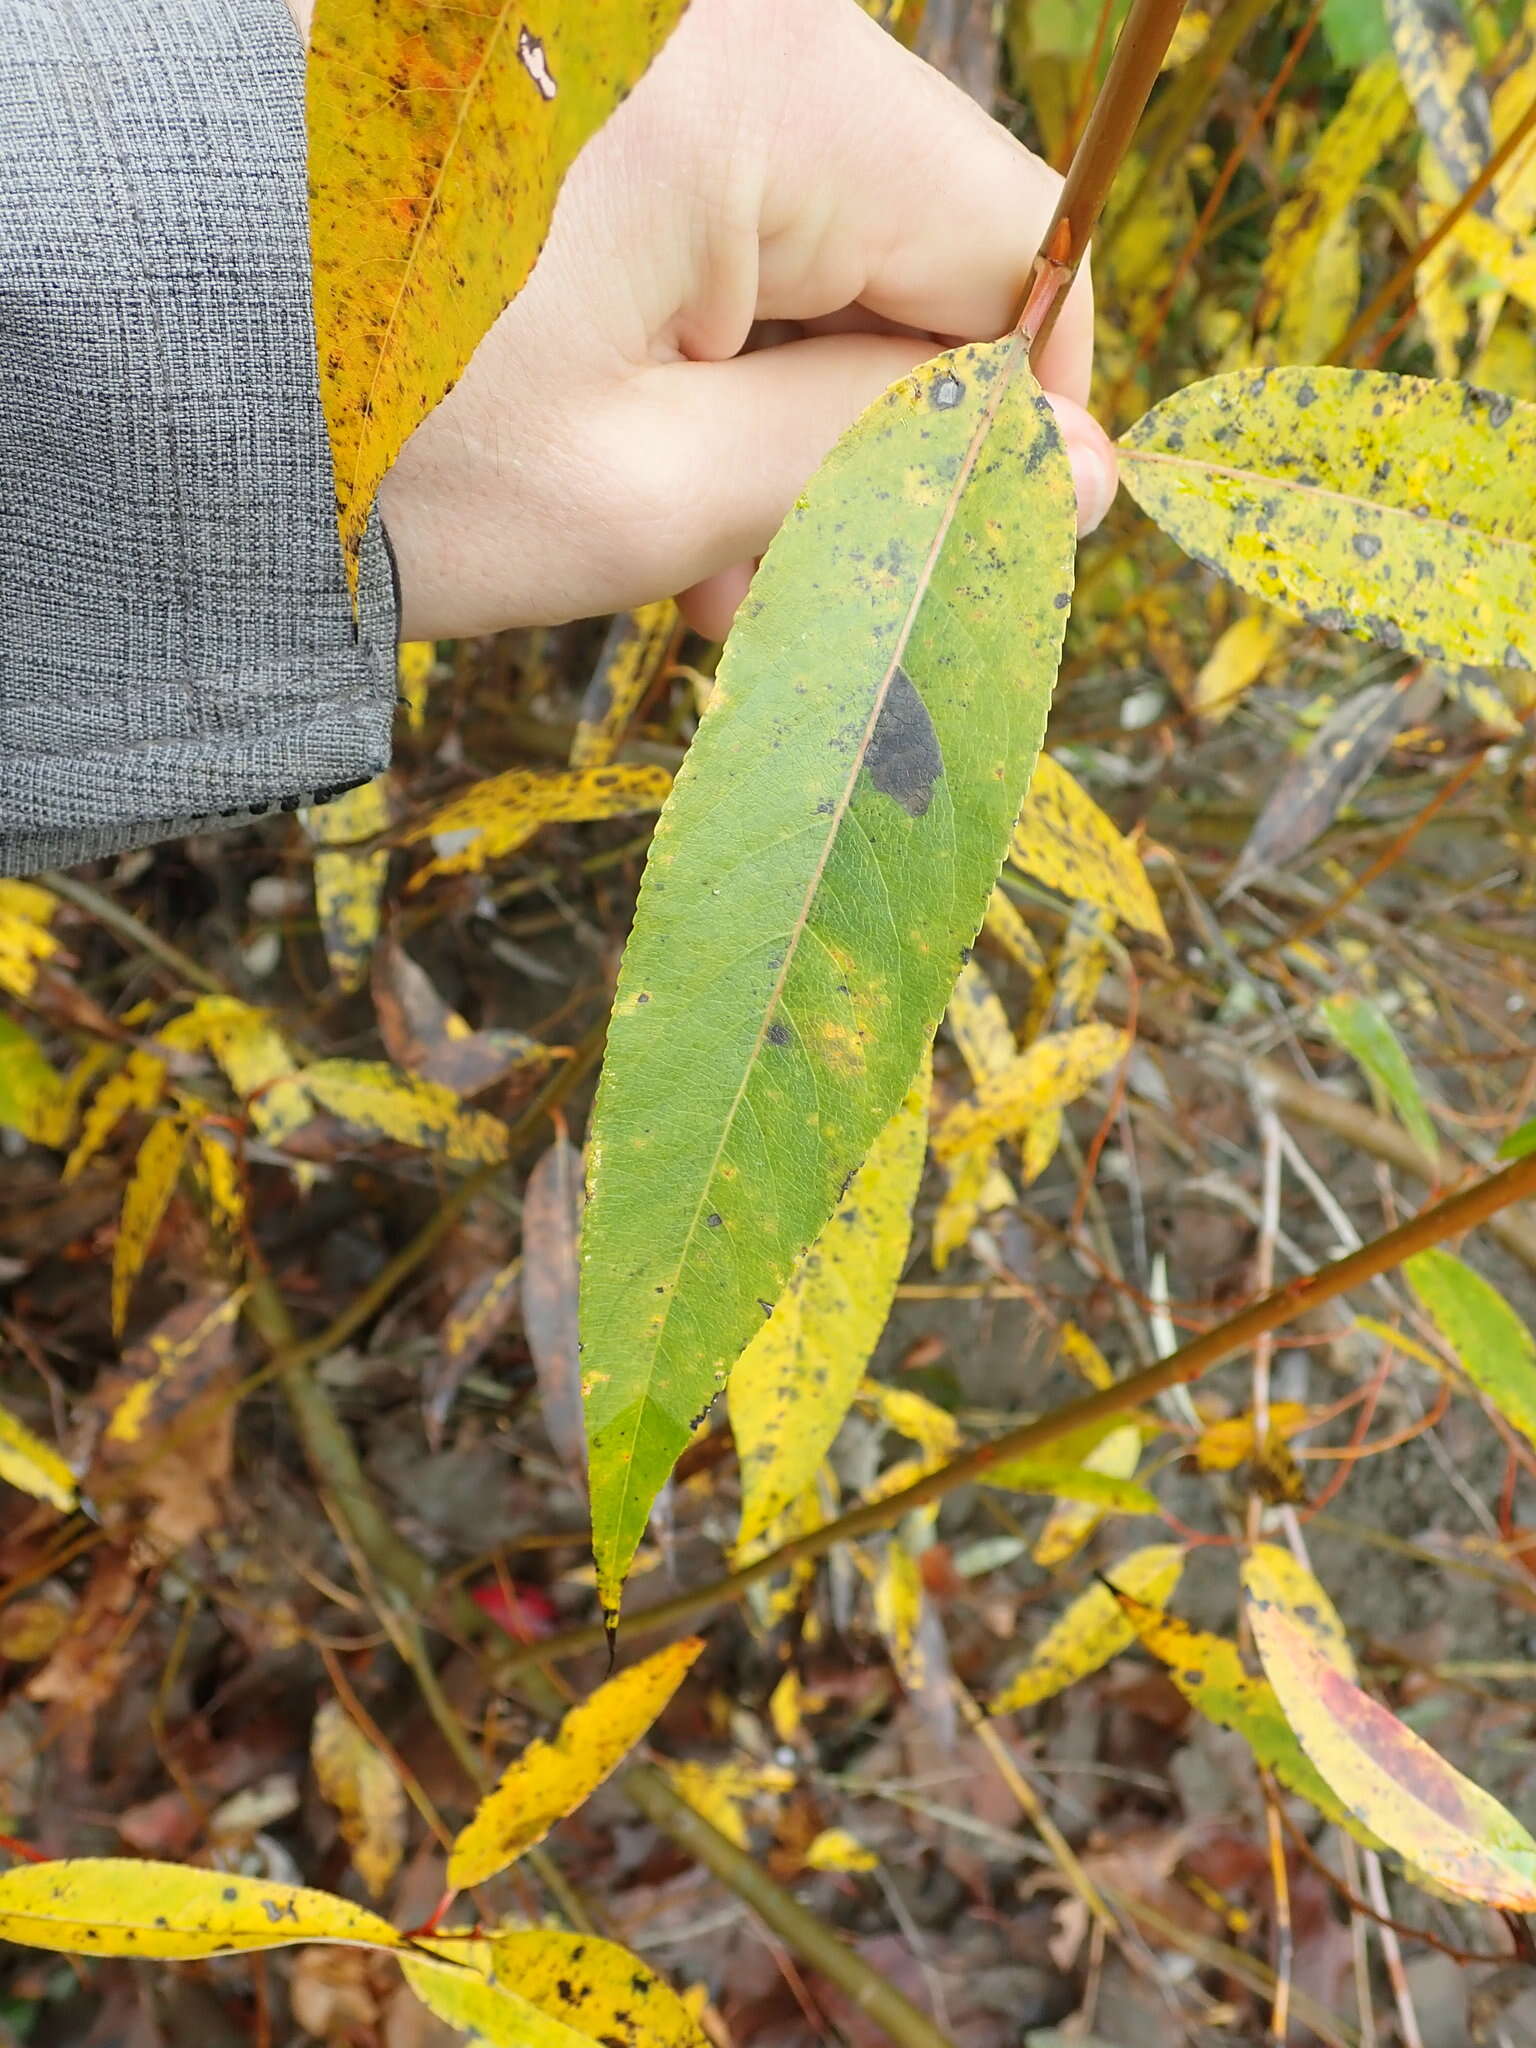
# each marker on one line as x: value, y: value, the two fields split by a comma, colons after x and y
x: 747, y: 434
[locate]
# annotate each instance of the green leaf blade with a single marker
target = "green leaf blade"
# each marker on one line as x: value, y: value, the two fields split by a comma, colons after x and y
x: 1361, y: 1027
x: 1393, y: 508
x: 1492, y: 1345
x: 825, y: 858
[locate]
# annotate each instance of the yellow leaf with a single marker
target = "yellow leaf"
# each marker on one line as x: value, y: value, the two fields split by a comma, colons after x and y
x: 486, y: 2013
x: 218, y: 1172
x: 976, y: 1185
x: 1372, y: 116
x: 1093, y: 1628
x: 1013, y: 936
x: 145, y: 1201
x: 1210, y: 1674
x: 552, y: 1778
x: 1389, y: 1779
x: 426, y: 123
x: 1077, y: 972
x: 1223, y: 1446
x: 722, y: 1792
x: 259, y: 1064
x: 1064, y: 840
x: 912, y: 1415
x: 25, y: 940
x: 1397, y: 509
x: 1273, y: 1578
x: 498, y: 816
x: 836, y: 1849
x: 1236, y: 663
x: 899, y: 1613
x: 169, y: 1912
x: 138, y: 1084
x: 1047, y: 1075
x: 33, y: 1466
x: 362, y: 1786
x: 33, y: 1100
x: 1081, y: 1351
x: 1316, y: 315
x: 1440, y: 68
x: 381, y: 1100
x: 786, y: 1705
x: 1510, y: 257
x: 596, y: 1988
x: 792, y: 1386
x: 1070, y: 1523
x: 979, y: 1025
x: 415, y: 663
x: 349, y: 879
x: 631, y: 660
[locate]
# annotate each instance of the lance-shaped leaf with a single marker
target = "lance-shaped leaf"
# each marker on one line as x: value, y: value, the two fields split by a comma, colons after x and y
x: 438, y: 141
x: 1438, y: 61
x: 499, y: 816
x: 25, y: 940
x: 1393, y: 508
x: 1372, y: 115
x: 1093, y: 1628
x: 145, y: 1201
x: 551, y: 1779
x: 34, y: 1466
x: 1273, y: 1579
x: 1064, y: 840
x: 824, y: 860
x: 1210, y: 1674
x: 551, y: 1275
x: 487, y: 2014
x: 375, y: 1097
x: 361, y: 1784
x: 1047, y: 1075
x: 545, y: 1989
x: 796, y: 1380
x: 1389, y: 1779
x: 1491, y: 1344
x: 349, y: 876
x: 33, y: 1100
x: 631, y: 660
x: 168, y: 1912
x: 1363, y: 1030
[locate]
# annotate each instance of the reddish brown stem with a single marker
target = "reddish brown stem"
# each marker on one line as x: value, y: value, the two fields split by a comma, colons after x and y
x: 1458, y: 1213
x: 1097, y: 159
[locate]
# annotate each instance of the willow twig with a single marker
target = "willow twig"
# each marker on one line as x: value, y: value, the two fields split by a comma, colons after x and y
x: 1190, y: 1362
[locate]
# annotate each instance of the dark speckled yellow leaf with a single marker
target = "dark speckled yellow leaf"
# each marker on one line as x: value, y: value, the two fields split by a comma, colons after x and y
x: 1393, y: 508
x: 823, y: 862
x: 439, y: 137
x: 1439, y: 66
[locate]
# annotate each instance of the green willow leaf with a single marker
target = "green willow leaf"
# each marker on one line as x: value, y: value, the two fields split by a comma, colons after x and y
x: 1493, y: 1347
x: 1361, y: 1027
x: 1393, y: 508
x: 822, y: 864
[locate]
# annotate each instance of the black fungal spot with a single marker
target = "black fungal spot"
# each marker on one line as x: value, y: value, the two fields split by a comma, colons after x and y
x: 1306, y: 394
x: 1062, y: 600
x: 945, y: 392
x: 765, y: 1306
x: 903, y: 758
x: 1366, y: 545
x: 778, y: 1034
x: 714, y: 1219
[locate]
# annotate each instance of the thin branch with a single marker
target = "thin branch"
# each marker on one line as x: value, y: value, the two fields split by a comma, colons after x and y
x: 1460, y: 1212
x: 134, y: 933
x: 1117, y: 112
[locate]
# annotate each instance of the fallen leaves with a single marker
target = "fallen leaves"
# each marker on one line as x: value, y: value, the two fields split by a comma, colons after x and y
x: 362, y: 1786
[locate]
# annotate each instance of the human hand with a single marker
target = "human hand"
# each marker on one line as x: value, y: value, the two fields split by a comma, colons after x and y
x: 786, y: 181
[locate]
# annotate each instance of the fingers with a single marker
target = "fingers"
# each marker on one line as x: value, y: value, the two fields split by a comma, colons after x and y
x: 928, y: 209
x: 746, y: 436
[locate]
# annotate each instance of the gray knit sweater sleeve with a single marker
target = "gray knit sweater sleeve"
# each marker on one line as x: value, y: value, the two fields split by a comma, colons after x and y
x: 176, y: 642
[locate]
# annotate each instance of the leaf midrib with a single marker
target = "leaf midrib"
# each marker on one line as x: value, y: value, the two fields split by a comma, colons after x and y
x: 797, y: 931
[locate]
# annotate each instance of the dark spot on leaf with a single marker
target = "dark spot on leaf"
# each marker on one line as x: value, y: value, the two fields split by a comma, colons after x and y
x: 1062, y: 600
x: 714, y: 1219
x: 1306, y: 394
x: 945, y: 392
x: 903, y: 757
x: 765, y: 1306
x: 1366, y: 545
x: 778, y: 1034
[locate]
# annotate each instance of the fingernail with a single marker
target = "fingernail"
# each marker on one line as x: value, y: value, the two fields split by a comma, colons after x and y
x: 1097, y: 477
